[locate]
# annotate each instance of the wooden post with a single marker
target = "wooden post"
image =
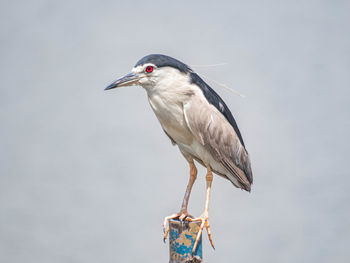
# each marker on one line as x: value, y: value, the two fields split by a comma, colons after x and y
x: 182, y: 236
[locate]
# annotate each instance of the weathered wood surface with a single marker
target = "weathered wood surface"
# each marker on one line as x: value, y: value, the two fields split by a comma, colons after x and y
x: 182, y: 236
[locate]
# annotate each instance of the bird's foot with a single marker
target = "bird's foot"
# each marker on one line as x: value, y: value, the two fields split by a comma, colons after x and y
x: 181, y: 216
x: 204, y: 218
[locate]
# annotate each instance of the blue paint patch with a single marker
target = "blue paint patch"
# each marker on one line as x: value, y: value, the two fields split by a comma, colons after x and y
x: 174, y: 233
x: 182, y: 249
x: 178, y: 241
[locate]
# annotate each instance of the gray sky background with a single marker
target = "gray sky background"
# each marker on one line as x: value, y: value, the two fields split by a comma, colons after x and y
x: 87, y: 175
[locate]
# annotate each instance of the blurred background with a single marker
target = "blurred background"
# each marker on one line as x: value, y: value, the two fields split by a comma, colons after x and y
x: 87, y: 175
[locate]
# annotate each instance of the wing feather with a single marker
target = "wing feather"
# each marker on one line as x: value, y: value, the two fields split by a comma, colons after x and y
x: 216, y: 134
x: 173, y: 142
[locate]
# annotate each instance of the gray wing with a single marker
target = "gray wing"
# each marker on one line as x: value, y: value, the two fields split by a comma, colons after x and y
x: 216, y: 134
x: 171, y: 139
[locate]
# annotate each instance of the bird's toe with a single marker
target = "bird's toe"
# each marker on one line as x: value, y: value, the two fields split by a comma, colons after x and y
x: 204, y: 218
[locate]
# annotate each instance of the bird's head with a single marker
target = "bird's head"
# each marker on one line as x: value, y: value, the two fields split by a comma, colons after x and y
x: 152, y: 70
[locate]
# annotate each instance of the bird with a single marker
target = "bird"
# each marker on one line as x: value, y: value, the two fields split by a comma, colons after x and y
x: 197, y: 120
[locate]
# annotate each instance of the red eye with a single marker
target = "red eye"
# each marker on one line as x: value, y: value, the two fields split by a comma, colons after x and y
x: 149, y: 69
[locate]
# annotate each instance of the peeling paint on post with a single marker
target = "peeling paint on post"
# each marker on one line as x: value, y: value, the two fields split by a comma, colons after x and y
x: 182, y: 236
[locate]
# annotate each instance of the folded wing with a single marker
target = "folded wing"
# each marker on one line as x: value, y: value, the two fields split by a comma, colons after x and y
x: 217, y: 135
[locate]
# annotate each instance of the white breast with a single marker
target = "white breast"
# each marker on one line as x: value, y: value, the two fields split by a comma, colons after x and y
x: 169, y: 111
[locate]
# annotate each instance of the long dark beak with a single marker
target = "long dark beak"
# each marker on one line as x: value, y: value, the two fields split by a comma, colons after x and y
x: 127, y: 80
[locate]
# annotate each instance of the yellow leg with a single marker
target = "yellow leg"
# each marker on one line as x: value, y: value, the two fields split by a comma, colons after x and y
x: 183, y: 212
x: 204, y: 218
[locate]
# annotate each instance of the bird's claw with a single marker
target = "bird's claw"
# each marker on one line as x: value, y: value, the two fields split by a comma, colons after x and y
x: 204, y: 223
x: 182, y: 216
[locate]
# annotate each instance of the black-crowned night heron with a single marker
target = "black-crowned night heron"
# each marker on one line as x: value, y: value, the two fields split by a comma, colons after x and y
x: 195, y: 119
